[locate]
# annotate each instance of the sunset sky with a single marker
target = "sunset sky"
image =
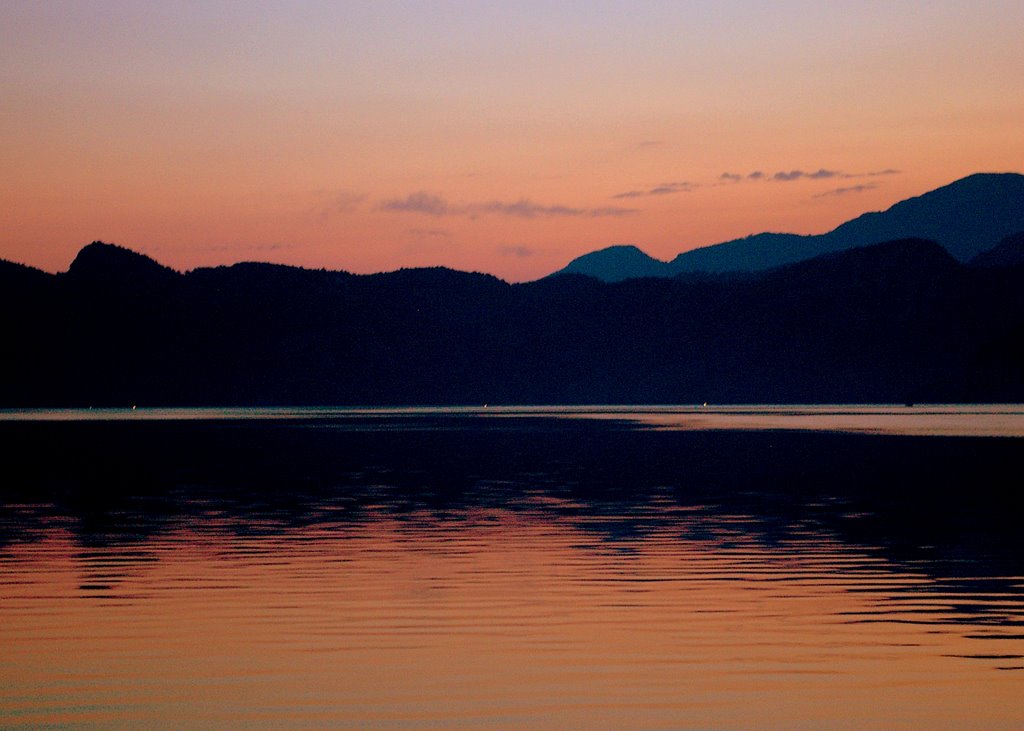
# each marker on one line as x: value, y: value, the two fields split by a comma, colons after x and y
x: 505, y: 138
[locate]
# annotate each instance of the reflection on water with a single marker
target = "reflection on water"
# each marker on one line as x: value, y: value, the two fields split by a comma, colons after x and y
x: 980, y: 420
x: 425, y: 569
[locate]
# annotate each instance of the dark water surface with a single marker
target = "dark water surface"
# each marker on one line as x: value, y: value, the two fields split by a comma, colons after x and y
x: 432, y: 569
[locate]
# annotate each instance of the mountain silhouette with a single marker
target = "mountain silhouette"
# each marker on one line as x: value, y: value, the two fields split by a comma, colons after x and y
x: 14, y: 276
x: 893, y: 322
x: 967, y: 217
x: 616, y: 263
x: 1008, y: 253
x: 108, y: 264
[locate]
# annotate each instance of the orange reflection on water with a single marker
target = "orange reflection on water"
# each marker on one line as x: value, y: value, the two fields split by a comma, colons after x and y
x: 959, y: 420
x: 497, y: 617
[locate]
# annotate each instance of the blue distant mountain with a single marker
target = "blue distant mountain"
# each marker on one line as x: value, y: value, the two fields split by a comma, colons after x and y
x: 967, y: 217
x: 617, y: 263
x: 1009, y: 253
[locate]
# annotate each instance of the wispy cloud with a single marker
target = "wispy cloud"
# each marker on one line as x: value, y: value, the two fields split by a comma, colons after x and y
x: 788, y: 176
x: 646, y: 144
x: 344, y: 201
x: 847, y: 189
x: 820, y: 174
x: 419, y: 202
x: 435, y: 205
x: 682, y: 186
x: 520, y: 252
x: 228, y: 247
x: 525, y: 208
x: 439, y: 233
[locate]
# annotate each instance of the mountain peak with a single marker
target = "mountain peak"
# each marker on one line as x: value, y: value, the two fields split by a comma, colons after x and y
x: 965, y: 217
x: 985, y: 181
x: 617, y: 263
x: 109, y: 263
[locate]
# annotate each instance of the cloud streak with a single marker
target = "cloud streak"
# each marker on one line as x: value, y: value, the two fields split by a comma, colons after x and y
x: 789, y: 176
x: 342, y: 202
x: 431, y: 232
x: 519, y: 252
x: 229, y: 247
x: 682, y: 186
x: 419, y: 202
x: 820, y: 174
x: 847, y: 189
x: 434, y: 205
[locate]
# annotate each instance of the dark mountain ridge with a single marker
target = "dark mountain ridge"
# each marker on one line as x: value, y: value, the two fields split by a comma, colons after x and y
x: 893, y: 322
x: 967, y: 217
x: 1009, y: 253
x: 101, y: 264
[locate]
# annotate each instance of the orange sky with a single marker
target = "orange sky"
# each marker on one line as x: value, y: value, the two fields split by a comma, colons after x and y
x: 369, y: 137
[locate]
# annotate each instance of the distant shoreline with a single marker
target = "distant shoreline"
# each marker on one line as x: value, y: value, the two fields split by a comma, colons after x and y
x: 947, y: 420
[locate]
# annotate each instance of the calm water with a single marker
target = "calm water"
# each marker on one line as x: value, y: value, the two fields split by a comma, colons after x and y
x: 582, y: 568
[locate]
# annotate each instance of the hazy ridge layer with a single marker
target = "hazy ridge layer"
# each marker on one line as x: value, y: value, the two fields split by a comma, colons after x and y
x: 967, y: 218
